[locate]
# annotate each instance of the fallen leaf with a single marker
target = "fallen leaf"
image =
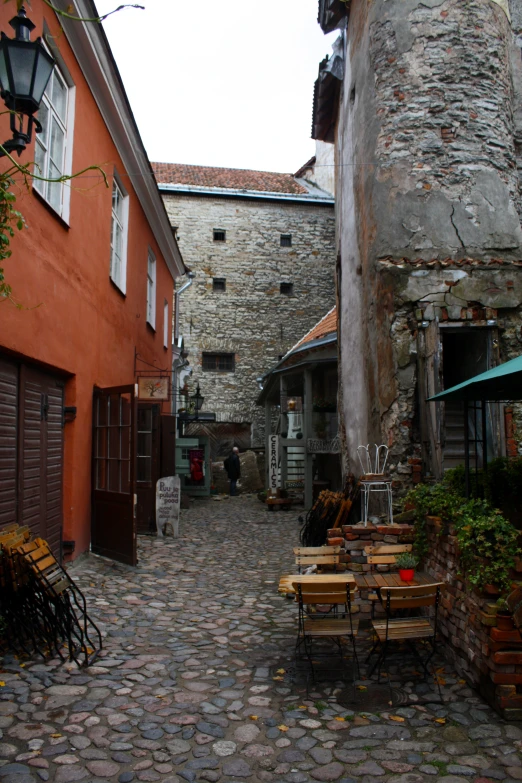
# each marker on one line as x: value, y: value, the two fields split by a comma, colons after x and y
x: 302, y: 707
x: 397, y: 718
x: 253, y: 717
x: 277, y: 678
x: 55, y: 736
x: 338, y: 717
x: 281, y: 671
x: 282, y: 727
x: 442, y: 721
x: 362, y: 688
x: 2, y: 684
x: 462, y: 682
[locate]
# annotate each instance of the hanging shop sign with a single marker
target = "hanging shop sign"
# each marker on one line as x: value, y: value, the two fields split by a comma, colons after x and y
x: 153, y: 388
x: 318, y: 446
x: 273, y: 462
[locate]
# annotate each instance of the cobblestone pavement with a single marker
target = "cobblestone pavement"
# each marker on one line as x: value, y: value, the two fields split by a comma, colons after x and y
x: 197, y: 682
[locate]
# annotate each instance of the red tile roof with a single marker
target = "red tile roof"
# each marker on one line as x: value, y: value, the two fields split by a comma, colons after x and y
x: 326, y: 326
x: 231, y: 179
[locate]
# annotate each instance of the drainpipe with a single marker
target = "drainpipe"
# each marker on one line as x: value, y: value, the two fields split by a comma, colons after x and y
x: 175, y: 347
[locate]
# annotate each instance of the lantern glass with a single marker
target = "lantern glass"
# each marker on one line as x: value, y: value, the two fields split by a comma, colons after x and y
x: 25, y: 69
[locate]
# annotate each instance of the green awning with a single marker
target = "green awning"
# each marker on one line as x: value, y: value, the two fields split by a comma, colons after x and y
x: 501, y: 383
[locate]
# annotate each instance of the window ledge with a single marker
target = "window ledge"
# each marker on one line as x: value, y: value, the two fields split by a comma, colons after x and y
x: 50, y: 209
x: 117, y: 288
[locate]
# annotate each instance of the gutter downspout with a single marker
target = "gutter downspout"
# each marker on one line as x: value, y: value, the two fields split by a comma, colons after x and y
x: 175, y: 346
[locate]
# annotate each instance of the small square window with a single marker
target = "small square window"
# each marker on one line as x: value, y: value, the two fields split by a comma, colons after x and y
x: 219, y: 284
x: 287, y: 288
x: 220, y: 235
x: 218, y: 362
x: 286, y: 240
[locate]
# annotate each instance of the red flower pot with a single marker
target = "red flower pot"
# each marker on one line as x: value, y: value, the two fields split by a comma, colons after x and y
x: 406, y: 574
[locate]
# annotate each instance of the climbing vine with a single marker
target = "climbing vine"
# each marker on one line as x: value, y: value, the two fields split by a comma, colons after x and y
x: 487, y: 542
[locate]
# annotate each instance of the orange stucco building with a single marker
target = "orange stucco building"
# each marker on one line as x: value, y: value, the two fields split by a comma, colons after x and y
x: 93, y: 272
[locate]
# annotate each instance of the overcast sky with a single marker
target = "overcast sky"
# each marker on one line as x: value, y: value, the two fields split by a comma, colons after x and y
x: 221, y: 82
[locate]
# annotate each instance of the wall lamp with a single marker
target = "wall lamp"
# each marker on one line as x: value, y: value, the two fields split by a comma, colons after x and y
x: 25, y: 70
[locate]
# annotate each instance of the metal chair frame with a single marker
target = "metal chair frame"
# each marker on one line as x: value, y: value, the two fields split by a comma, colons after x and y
x: 376, y: 481
x: 431, y: 599
x: 305, y: 639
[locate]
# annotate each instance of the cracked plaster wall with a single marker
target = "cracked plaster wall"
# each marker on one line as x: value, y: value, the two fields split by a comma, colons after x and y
x: 429, y: 129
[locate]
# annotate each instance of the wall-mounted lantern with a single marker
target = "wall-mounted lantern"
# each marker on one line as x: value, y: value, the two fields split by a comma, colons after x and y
x: 25, y: 70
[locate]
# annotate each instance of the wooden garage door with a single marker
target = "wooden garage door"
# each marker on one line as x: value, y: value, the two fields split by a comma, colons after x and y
x: 31, y: 450
x: 8, y: 441
x: 41, y: 454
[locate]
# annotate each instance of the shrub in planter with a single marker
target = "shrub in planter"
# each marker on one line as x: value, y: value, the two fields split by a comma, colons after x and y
x: 487, y: 541
x: 407, y: 562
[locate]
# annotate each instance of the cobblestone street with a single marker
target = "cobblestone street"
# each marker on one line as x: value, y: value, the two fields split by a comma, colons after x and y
x: 197, y: 681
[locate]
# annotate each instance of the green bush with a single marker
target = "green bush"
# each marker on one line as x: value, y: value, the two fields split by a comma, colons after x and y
x: 487, y: 541
x: 501, y: 485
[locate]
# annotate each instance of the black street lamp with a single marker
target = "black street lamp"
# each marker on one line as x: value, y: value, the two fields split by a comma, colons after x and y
x: 198, y: 401
x: 25, y: 70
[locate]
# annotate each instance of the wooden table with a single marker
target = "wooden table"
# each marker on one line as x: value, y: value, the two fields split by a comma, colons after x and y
x: 374, y: 580
x: 285, y: 583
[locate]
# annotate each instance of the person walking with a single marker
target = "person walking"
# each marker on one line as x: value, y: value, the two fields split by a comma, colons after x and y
x: 233, y: 469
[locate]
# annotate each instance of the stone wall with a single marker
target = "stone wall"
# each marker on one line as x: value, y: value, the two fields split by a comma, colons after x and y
x: 428, y: 200
x: 251, y: 318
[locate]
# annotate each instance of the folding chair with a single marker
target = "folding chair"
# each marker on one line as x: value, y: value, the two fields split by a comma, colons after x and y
x: 383, y: 554
x: 316, y: 555
x: 406, y: 629
x: 335, y: 624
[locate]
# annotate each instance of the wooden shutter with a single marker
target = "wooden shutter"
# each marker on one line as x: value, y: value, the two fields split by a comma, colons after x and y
x: 8, y: 441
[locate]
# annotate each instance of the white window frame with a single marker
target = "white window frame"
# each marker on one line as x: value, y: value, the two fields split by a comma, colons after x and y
x: 165, y: 324
x: 151, y: 289
x: 120, y: 222
x: 39, y: 186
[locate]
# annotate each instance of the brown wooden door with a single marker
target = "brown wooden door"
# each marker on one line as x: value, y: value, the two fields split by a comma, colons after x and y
x: 113, y: 525
x: 8, y: 442
x: 148, y: 465
x: 41, y: 455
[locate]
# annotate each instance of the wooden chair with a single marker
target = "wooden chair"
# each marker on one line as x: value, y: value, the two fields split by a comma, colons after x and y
x: 335, y: 624
x: 317, y: 555
x: 383, y: 554
x: 406, y: 629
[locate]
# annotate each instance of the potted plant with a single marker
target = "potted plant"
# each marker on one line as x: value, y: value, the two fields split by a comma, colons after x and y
x: 407, y: 562
x: 504, y: 617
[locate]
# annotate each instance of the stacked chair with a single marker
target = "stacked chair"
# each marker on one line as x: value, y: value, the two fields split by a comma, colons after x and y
x: 43, y: 610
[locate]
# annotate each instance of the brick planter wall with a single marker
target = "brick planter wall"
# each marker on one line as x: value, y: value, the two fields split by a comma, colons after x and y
x: 487, y: 658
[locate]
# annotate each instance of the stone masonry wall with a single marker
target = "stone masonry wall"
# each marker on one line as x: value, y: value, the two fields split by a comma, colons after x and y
x: 251, y: 319
x: 429, y: 138
x: 487, y: 295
